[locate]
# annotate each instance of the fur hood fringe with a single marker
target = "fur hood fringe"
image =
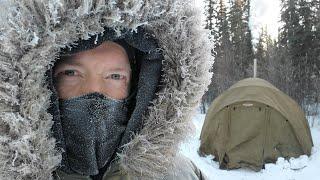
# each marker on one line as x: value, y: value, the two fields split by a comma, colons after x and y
x: 33, y: 32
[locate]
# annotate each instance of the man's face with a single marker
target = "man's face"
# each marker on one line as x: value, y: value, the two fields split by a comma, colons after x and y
x: 104, y: 69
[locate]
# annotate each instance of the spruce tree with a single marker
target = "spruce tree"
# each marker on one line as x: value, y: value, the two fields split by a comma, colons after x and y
x: 211, y: 16
x: 226, y: 70
x: 290, y: 41
x: 241, y: 35
x: 298, y: 37
x: 261, y: 55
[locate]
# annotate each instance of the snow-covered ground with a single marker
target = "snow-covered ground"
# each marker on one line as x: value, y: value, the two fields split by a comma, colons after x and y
x: 302, y: 168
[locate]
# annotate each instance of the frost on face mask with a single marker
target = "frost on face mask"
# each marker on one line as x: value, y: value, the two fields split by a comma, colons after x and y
x: 92, y: 126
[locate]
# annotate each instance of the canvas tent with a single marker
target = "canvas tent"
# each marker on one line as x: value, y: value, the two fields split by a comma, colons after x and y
x: 253, y: 123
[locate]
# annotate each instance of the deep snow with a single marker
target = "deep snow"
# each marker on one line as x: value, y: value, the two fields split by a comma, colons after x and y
x: 302, y: 168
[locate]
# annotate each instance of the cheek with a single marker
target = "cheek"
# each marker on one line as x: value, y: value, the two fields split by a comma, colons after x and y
x: 64, y: 92
x: 111, y: 88
x: 117, y: 90
x: 68, y: 90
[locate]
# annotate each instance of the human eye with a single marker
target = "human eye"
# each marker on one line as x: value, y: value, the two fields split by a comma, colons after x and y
x: 116, y: 76
x: 68, y: 72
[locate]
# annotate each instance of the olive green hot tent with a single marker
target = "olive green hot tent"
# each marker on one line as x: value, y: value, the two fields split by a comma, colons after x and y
x: 253, y: 123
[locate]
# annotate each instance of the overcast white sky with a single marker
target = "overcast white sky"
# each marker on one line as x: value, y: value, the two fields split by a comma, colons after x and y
x: 264, y: 13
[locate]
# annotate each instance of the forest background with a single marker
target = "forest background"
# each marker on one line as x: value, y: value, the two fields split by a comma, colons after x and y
x: 290, y: 61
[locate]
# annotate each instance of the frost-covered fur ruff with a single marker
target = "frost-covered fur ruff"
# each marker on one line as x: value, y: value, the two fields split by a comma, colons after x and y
x: 31, y: 34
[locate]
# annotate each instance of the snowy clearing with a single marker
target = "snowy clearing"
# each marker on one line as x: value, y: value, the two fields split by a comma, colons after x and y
x: 295, y: 169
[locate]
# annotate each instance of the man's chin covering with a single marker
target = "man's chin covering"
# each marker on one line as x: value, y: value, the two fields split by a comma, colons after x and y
x: 92, y: 126
x: 33, y: 34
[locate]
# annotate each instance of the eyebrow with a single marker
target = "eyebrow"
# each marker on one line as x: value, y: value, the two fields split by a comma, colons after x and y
x: 119, y: 69
x: 76, y: 63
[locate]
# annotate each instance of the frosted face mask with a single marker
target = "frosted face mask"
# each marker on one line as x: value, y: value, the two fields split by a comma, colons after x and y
x: 92, y: 126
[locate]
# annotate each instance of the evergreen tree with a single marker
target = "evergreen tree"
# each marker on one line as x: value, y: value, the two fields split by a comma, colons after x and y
x: 261, y: 54
x: 316, y: 30
x: 299, y: 38
x: 233, y: 50
x: 211, y: 14
x: 241, y: 35
x: 249, y: 54
x: 226, y: 71
x: 316, y: 48
x: 222, y: 25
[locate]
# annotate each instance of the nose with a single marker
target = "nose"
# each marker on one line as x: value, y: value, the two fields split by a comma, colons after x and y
x: 93, y: 84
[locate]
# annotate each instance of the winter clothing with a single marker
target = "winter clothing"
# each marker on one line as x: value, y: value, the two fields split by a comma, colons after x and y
x: 92, y: 126
x: 185, y: 170
x: 174, y: 68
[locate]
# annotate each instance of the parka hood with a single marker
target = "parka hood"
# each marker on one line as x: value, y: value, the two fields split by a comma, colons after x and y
x: 32, y: 34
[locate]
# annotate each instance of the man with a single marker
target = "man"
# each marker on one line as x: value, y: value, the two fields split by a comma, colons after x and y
x: 99, y: 89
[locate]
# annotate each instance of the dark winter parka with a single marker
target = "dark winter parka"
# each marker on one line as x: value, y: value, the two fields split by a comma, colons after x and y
x: 33, y: 33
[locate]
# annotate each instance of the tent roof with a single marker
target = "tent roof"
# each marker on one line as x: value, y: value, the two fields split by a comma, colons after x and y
x: 259, y: 90
x: 253, y: 82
